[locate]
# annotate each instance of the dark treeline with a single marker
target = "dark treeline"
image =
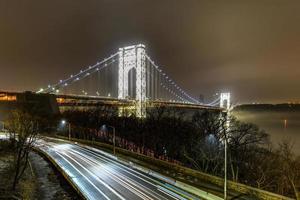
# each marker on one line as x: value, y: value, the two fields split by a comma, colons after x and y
x: 198, y: 143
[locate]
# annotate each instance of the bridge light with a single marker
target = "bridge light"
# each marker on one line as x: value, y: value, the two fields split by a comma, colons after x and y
x: 49, y: 86
x: 60, y: 80
x: 77, y: 79
x: 97, y: 69
x: 66, y: 84
x: 57, y: 91
x: 71, y: 75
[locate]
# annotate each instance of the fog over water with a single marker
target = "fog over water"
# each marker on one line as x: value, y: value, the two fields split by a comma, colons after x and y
x: 273, y: 122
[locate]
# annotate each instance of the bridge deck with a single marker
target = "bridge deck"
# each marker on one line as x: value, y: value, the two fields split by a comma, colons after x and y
x: 98, y: 100
x: 84, y: 100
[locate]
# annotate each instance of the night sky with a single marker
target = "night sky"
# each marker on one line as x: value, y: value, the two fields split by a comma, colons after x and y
x: 250, y: 48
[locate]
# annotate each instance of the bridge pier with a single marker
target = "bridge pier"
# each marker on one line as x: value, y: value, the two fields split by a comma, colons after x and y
x: 133, y: 57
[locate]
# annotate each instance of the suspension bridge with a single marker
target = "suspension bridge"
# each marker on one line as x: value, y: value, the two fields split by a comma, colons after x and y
x: 128, y: 77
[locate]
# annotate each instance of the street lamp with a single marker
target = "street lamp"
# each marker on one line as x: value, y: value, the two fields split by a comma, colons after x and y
x: 3, y: 126
x: 64, y: 122
x: 114, y: 136
x: 225, y: 169
x: 226, y: 131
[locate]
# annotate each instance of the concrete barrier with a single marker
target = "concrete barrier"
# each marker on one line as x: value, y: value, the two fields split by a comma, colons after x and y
x: 61, y: 171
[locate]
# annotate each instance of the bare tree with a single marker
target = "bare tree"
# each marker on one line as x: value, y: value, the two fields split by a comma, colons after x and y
x: 242, y: 138
x: 206, y: 152
x: 24, y: 129
x: 290, y: 168
x: 261, y: 171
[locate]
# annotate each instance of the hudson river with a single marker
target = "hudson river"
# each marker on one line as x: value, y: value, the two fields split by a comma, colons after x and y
x: 281, y: 125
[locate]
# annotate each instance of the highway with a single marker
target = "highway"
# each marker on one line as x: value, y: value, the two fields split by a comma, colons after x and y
x: 99, y: 175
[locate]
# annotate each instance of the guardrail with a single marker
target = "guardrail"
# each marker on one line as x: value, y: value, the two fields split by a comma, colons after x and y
x: 238, y: 187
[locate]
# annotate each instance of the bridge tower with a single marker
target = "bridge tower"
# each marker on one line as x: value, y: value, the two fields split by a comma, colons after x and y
x: 225, y: 100
x: 133, y: 57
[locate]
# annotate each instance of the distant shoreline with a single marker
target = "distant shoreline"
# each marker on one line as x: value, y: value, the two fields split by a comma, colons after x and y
x: 268, y: 107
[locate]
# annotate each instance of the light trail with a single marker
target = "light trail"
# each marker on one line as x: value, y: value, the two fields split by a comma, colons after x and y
x: 129, y: 187
x: 106, y: 197
x: 99, y: 175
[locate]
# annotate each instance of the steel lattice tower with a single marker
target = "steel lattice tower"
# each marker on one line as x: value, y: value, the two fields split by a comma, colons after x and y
x: 133, y: 57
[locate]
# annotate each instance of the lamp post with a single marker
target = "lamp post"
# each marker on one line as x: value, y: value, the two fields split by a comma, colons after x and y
x: 3, y: 126
x: 114, y: 136
x: 226, y: 131
x: 225, y: 169
x: 69, y: 127
x: 224, y: 128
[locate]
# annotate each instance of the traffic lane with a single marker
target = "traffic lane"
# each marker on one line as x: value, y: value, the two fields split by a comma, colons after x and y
x: 111, y: 173
x: 85, y: 183
x: 102, y: 187
x: 141, y: 178
x: 162, y: 191
x: 64, y: 149
x: 121, y: 184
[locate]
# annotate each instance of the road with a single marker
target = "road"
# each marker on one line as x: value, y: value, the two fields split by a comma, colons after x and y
x: 98, y: 175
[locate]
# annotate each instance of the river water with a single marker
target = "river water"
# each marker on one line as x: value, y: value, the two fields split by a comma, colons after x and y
x: 280, y: 125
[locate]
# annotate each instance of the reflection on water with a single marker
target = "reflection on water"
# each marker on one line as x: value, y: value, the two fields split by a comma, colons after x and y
x: 283, y: 125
